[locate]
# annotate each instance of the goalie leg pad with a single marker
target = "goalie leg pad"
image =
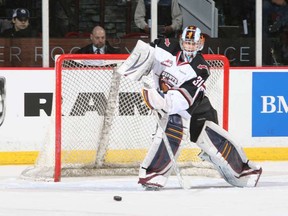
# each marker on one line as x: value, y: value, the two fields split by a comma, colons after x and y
x: 227, y: 157
x: 157, y: 165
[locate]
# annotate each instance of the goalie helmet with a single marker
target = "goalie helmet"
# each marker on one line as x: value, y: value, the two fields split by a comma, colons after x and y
x: 191, y: 41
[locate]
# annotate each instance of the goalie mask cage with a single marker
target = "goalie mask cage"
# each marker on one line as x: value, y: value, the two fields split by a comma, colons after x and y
x: 102, y: 126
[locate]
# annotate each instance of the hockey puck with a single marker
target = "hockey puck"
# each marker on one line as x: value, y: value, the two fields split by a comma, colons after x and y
x: 117, y: 198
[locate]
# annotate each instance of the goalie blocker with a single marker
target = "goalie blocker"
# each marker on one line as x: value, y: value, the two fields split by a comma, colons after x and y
x: 227, y: 157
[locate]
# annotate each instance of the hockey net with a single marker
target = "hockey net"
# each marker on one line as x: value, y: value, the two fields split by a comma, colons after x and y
x: 100, y: 126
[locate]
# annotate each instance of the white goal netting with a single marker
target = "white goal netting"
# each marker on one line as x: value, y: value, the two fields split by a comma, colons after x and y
x: 100, y: 125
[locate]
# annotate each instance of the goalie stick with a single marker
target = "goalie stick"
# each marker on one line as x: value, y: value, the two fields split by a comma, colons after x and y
x: 184, y: 183
x: 2, y: 99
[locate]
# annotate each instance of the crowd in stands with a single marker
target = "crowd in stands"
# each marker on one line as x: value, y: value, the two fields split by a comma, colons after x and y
x: 16, y: 22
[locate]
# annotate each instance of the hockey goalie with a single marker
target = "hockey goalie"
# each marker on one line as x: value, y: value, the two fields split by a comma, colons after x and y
x: 177, y: 90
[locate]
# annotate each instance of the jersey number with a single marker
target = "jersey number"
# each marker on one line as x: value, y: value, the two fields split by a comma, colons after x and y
x: 198, y: 81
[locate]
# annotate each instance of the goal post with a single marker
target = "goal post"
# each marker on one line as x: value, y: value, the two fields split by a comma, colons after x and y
x: 100, y: 125
x: 219, y: 64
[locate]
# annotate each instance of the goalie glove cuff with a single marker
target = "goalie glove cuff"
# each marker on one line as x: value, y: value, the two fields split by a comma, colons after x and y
x: 153, y: 99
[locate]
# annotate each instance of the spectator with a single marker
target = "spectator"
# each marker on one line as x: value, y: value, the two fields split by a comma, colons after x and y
x: 275, y: 16
x: 275, y: 29
x: 5, y: 24
x: 99, y: 43
x: 21, y: 26
x: 170, y: 19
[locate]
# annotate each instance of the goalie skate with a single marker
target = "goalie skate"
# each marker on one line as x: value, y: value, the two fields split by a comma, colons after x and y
x: 152, y: 182
x: 150, y: 187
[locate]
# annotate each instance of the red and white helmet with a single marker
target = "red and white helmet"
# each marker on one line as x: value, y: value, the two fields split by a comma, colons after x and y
x: 191, y: 41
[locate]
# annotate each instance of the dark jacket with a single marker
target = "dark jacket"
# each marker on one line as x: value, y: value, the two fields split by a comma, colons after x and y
x: 11, y: 33
x: 89, y: 49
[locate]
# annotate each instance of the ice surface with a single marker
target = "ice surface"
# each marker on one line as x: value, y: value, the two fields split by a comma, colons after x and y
x: 94, y: 196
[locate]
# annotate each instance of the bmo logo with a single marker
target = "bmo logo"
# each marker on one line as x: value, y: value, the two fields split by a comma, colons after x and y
x: 272, y: 104
x: 269, y: 104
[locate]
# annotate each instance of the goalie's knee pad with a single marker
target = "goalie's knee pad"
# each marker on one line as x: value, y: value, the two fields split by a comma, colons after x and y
x: 157, y: 165
x: 227, y: 157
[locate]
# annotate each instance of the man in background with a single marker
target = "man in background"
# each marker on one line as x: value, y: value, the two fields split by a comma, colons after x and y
x: 21, y: 26
x: 170, y: 19
x: 99, y: 43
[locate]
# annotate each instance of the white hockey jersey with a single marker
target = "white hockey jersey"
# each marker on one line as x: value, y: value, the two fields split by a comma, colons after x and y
x: 178, y: 80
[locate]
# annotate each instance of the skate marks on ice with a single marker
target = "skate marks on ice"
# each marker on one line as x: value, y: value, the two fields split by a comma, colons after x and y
x: 94, y: 196
x: 130, y: 184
